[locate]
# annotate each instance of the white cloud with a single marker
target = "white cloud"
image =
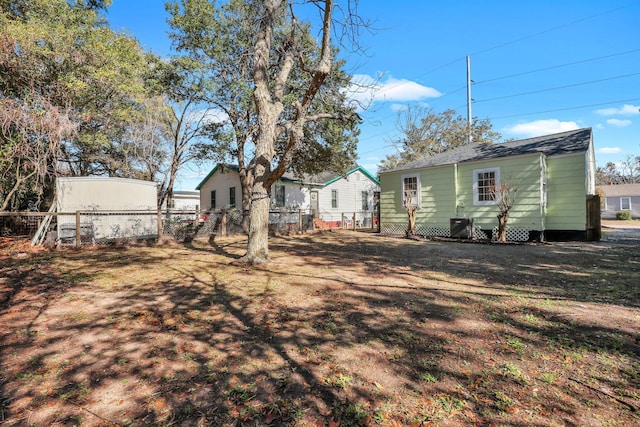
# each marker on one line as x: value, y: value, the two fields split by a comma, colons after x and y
x: 618, y: 123
x: 609, y: 150
x: 540, y: 127
x: 367, y: 90
x: 208, y: 116
x: 625, y: 110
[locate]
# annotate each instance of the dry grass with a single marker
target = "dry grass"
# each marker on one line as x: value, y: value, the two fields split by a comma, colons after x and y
x: 340, y: 329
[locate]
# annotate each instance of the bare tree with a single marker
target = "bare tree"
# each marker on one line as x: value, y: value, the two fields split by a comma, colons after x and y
x: 426, y: 133
x: 504, y: 195
x: 30, y: 137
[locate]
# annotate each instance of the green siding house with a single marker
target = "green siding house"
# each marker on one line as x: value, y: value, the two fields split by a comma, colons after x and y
x: 554, y: 176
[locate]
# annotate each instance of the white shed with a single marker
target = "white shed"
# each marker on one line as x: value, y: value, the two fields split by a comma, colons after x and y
x: 106, y: 208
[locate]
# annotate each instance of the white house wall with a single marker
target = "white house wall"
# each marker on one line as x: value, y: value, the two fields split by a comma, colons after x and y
x: 298, y: 196
x: 349, y: 195
x: 221, y: 182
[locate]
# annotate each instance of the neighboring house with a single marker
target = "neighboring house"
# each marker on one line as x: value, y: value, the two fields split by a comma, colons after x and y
x: 326, y: 195
x: 185, y: 201
x: 105, y: 207
x: 620, y: 197
x: 554, y: 176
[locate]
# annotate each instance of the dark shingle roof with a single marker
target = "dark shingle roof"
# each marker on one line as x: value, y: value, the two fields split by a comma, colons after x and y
x: 574, y: 141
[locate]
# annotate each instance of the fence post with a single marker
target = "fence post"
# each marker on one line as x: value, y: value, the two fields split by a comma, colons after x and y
x: 342, y: 225
x: 159, y: 223
x: 78, y: 234
x: 223, y: 223
x: 300, y: 220
x: 354, y: 221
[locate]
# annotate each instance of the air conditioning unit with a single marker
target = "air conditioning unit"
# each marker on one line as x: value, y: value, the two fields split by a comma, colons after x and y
x: 461, y: 228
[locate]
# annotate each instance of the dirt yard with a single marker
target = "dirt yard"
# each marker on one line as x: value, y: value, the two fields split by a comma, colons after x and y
x: 341, y: 329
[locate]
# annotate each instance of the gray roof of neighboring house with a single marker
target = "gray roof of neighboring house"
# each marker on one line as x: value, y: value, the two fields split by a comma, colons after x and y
x: 574, y: 141
x: 620, y: 190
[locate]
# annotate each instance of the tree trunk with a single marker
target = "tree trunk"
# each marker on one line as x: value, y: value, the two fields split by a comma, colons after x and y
x: 258, y: 243
x: 502, y: 227
x: 411, y: 212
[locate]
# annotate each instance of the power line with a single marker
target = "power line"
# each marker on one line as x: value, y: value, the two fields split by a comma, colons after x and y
x: 557, y: 87
x: 555, y: 66
x: 577, y: 21
x: 479, y: 52
x: 564, y: 109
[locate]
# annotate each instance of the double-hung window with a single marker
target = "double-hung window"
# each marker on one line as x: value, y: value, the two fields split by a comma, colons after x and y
x: 279, y: 196
x: 486, y: 182
x: 365, y: 200
x: 334, y: 199
x: 625, y: 203
x: 232, y: 197
x: 411, y: 191
x: 213, y: 199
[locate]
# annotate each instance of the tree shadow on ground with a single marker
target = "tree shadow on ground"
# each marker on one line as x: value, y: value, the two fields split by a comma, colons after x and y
x: 338, y: 327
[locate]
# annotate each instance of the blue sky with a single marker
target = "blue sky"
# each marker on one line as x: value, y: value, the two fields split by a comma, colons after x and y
x: 538, y: 67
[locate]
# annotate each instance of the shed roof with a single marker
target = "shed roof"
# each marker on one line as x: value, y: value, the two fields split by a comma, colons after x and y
x: 620, y: 190
x: 569, y: 142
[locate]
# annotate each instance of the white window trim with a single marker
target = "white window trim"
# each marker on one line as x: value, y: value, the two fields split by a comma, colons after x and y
x: 476, y: 195
x: 418, y: 190
x: 625, y: 209
x: 337, y: 199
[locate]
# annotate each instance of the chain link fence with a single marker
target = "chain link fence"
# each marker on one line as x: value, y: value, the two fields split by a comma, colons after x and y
x: 111, y: 227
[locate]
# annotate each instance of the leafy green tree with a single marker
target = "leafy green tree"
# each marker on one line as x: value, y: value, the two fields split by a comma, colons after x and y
x: 425, y: 133
x: 284, y: 101
x: 59, y: 58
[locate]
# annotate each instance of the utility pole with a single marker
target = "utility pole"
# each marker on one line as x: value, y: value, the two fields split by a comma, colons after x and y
x: 469, y: 97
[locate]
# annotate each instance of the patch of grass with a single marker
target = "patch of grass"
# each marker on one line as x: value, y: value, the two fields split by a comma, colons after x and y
x: 240, y: 394
x: 351, y: 414
x: 339, y: 380
x: 516, y: 345
x: 449, y: 403
x: 503, y: 403
x: 427, y: 377
x: 510, y: 370
x: 548, y: 377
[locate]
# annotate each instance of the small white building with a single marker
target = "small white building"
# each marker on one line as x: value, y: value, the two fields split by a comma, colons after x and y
x: 327, y: 195
x: 184, y: 201
x: 106, y: 207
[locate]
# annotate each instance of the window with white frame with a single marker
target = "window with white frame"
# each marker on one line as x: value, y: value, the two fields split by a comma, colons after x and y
x: 334, y: 199
x: 365, y: 200
x: 411, y: 190
x: 485, y: 183
x: 625, y: 203
x: 279, y: 196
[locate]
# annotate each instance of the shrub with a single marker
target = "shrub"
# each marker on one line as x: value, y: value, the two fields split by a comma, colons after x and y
x: 623, y: 215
